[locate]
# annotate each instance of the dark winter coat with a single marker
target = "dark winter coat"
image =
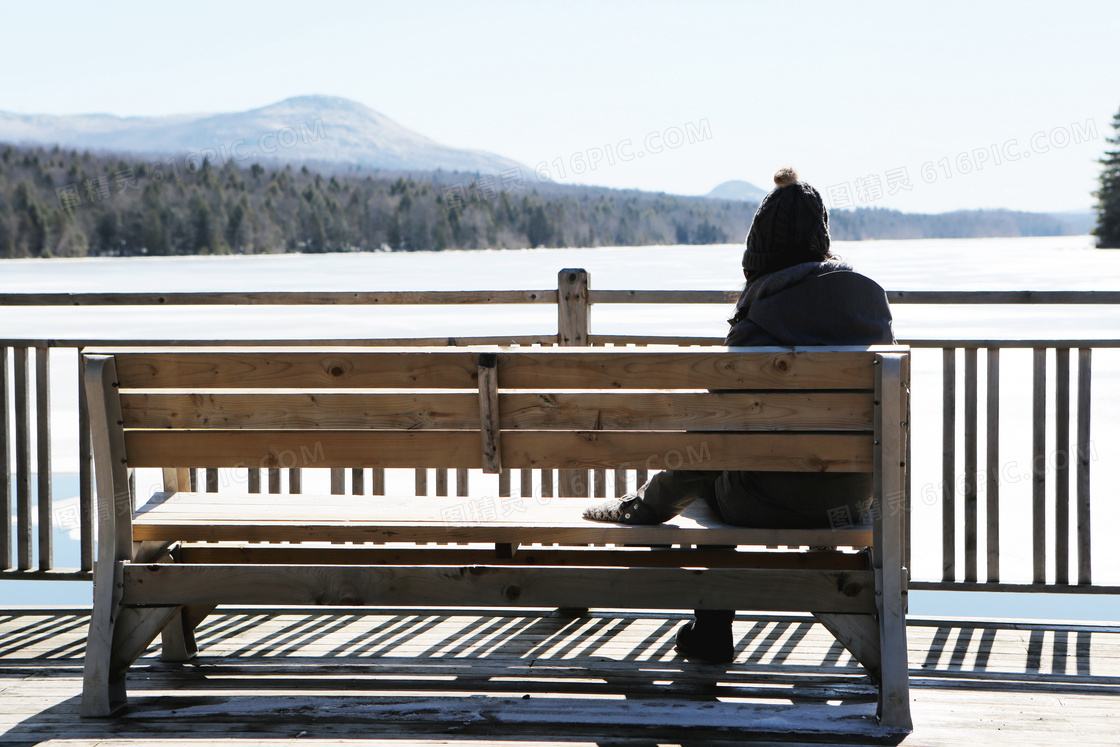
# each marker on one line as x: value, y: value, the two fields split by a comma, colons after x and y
x: 807, y: 304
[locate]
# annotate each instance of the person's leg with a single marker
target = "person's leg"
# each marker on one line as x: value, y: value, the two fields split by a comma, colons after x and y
x: 663, y: 496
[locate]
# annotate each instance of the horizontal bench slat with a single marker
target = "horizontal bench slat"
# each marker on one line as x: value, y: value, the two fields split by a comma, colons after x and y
x: 525, y: 411
x: 795, y: 452
x: 535, y: 556
x: 679, y: 588
x: 330, y: 518
x: 773, y: 368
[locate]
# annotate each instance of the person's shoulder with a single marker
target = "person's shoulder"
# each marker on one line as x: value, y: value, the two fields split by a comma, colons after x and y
x: 846, y: 276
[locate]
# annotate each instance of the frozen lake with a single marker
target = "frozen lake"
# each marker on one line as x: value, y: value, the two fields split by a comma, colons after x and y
x: 1044, y: 263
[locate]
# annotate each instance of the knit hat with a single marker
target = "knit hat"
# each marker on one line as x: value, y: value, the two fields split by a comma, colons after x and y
x: 790, y: 227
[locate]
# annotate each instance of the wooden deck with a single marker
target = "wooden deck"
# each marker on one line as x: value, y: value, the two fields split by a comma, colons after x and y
x: 427, y: 677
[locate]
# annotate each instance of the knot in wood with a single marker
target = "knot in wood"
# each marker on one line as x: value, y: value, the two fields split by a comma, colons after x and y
x: 852, y: 589
x: 512, y: 592
x: 782, y: 365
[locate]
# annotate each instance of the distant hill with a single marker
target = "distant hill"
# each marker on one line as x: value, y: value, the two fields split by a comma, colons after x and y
x: 737, y: 190
x: 296, y: 130
x: 1081, y: 221
x: 66, y: 203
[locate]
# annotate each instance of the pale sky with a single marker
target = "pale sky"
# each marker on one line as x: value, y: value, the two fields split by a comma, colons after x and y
x: 859, y: 97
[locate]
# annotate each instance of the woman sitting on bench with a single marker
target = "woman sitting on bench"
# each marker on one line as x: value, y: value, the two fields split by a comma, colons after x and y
x: 797, y: 293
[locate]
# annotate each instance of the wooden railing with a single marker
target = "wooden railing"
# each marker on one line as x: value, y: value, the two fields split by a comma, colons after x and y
x: 27, y: 368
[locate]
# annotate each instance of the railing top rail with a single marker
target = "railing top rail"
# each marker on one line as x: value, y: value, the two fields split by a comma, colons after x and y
x: 284, y: 298
x: 507, y: 340
x: 546, y: 296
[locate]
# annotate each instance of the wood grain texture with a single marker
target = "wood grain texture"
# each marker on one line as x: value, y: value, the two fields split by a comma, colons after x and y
x: 679, y: 588
x: 1084, y: 448
x: 629, y: 557
x: 519, y: 411
x: 798, y: 452
x: 327, y: 518
x: 597, y: 368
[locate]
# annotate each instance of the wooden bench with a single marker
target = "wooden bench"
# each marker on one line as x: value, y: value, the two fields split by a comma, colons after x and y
x: 164, y: 565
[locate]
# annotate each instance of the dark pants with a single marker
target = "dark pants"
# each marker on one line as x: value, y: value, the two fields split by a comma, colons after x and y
x: 803, y: 500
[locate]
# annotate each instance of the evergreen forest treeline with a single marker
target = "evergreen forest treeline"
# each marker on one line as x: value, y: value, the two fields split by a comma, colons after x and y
x: 59, y: 203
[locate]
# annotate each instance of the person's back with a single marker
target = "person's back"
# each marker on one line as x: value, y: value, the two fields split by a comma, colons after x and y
x: 796, y: 293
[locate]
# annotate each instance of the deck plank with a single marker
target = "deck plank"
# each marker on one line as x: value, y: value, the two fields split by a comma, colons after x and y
x: 522, y: 678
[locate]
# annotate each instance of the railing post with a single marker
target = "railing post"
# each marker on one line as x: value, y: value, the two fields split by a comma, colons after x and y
x: 573, y: 308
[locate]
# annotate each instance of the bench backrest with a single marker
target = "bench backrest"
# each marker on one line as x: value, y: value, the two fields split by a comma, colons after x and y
x: 800, y: 409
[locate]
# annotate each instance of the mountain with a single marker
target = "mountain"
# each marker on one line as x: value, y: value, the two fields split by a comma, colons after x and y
x: 737, y: 190
x: 299, y: 129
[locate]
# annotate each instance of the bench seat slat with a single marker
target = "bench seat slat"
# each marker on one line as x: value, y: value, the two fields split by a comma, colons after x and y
x: 797, y: 452
x: 517, y: 586
x: 296, y: 518
x: 710, y: 368
x: 758, y: 411
x: 482, y: 554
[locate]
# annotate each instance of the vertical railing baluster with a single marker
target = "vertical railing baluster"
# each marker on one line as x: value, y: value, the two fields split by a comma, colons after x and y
x: 211, y: 479
x: 441, y: 482
x: 1038, y: 468
x: 85, y: 472
x: 1084, y: 449
x: 254, y: 480
x: 358, y: 481
x: 600, y: 483
x: 504, y: 487
x: 993, y: 468
x: 970, y: 461
x: 1061, y: 466
x: 5, y: 466
x: 526, y: 483
x: 338, y: 480
x: 274, y: 480
x: 948, y: 464
x: 462, y: 481
x: 23, y: 459
x: 43, y: 456
x: 377, y: 481
x: 295, y: 481
x: 421, y: 481
x: 619, y: 482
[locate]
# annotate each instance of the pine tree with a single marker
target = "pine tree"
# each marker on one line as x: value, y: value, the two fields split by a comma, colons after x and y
x: 1108, y: 196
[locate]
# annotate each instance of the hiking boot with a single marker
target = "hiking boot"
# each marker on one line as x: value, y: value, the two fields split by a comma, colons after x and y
x: 708, y: 645
x: 628, y: 510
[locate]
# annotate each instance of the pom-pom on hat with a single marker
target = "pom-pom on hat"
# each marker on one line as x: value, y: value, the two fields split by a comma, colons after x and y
x: 790, y: 227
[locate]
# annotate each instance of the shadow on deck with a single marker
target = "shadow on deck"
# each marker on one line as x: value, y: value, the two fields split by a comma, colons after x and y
x: 437, y: 676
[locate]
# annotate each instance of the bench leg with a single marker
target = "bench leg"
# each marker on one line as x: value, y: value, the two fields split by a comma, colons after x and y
x: 894, y: 684
x: 101, y: 694
x: 859, y: 634
x: 178, y: 637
